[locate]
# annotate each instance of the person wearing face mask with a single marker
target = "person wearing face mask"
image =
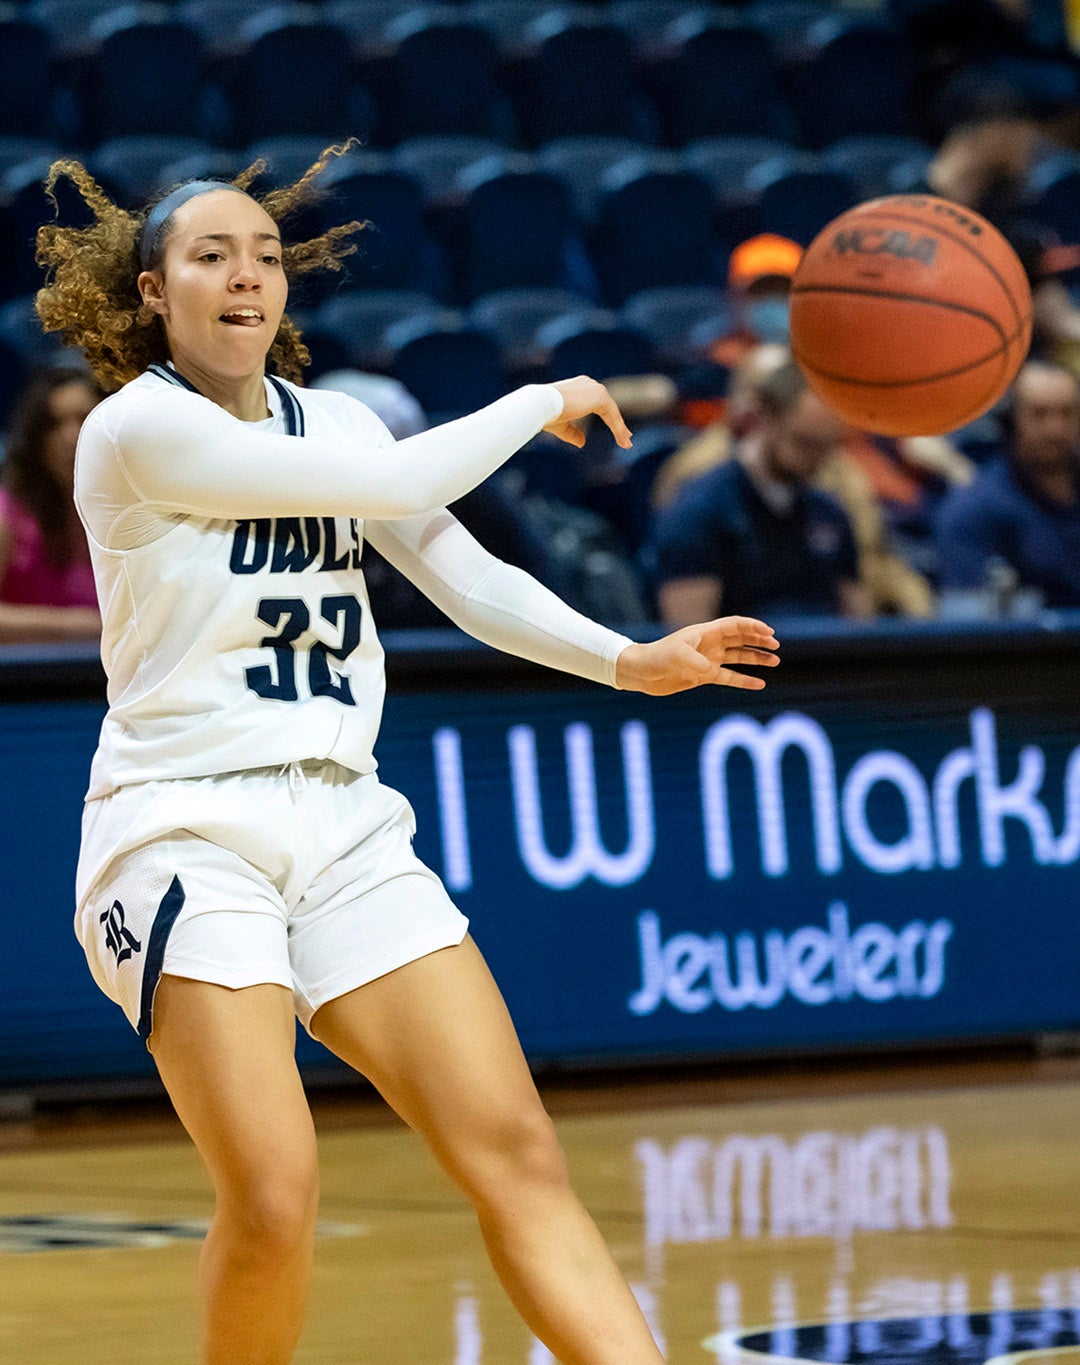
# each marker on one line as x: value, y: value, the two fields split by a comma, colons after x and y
x: 759, y: 290
x: 46, y: 579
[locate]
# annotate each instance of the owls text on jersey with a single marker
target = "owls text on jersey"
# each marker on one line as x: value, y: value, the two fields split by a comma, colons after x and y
x: 236, y: 628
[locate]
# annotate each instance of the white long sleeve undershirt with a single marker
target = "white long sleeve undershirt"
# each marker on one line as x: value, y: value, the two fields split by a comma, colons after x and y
x: 181, y: 453
x: 493, y: 601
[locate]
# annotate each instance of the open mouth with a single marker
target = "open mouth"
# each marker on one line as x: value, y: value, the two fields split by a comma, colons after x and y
x: 242, y: 317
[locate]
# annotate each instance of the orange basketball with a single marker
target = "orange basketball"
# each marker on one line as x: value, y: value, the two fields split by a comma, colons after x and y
x: 910, y: 315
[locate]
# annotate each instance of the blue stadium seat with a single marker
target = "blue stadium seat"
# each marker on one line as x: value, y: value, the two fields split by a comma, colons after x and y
x: 645, y: 21
x: 21, y: 327
x: 366, y: 21
x: 359, y: 320
x: 873, y: 162
x: 216, y: 164
x: 674, y: 316
x: 725, y: 162
x: 440, y: 77
x: 219, y: 22
x: 14, y: 373
x: 25, y: 209
x: 68, y: 21
x: 395, y: 251
x: 144, y: 74
x: 796, y: 201
x: 26, y: 104
x: 287, y: 158
x: 514, y: 316
x: 632, y: 474
x: 436, y: 162
x: 580, y: 78
x: 515, y: 228
x: 785, y: 22
x: 595, y: 343
x: 16, y: 149
x: 292, y: 73
x: 655, y: 227
x: 581, y: 164
x: 854, y: 75
x: 130, y: 167
x: 509, y: 21
x: 449, y: 368
x: 720, y: 78
x: 1053, y: 194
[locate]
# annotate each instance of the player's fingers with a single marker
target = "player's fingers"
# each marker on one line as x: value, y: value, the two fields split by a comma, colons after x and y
x: 609, y: 413
x: 566, y: 431
x: 741, y: 629
x: 760, y: 658
x: 728, y: 677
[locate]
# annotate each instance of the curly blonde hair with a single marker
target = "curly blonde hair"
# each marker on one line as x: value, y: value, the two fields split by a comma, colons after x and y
x: 90, y: 295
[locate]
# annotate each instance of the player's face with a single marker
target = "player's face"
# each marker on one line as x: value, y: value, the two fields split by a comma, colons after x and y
x: 69, y: 407
x: 1047, y: 419
x: 221, y: 290
x: 803, y: 438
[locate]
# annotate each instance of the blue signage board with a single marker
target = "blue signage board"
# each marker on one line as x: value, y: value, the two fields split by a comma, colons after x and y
x: 835, y: 863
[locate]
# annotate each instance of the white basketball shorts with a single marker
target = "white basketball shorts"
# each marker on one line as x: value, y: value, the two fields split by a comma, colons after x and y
x: 303, y: 876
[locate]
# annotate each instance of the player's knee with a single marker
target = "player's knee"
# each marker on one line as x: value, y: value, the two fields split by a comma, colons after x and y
x: 515, y: 1150
x: 272, y: 1217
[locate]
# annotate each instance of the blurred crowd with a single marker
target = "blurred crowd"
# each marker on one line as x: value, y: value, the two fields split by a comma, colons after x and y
x: 743, y: 493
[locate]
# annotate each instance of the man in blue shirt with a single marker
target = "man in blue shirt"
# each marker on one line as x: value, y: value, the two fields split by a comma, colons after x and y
x: 1024, y: 506
x: 751, y: 536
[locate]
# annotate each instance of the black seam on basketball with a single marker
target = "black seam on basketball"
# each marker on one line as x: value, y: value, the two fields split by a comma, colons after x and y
x: 898, y: 215
x: 896, y: 296
x: 1001, y: 351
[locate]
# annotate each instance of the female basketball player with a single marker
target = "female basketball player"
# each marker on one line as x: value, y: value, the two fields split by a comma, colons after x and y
x: 241, y: 864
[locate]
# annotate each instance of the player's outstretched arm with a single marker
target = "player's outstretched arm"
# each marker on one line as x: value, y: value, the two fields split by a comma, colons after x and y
x: 698, y: 654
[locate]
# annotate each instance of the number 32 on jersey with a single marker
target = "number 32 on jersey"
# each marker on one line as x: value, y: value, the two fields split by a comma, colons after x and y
x: 290, y: 618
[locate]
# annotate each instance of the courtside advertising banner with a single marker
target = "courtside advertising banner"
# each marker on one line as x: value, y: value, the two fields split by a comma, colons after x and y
x: 815, y: 867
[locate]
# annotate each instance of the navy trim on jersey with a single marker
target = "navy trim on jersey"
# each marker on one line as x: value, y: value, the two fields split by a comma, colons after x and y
x: 290, y: 406
x: 171, y: 904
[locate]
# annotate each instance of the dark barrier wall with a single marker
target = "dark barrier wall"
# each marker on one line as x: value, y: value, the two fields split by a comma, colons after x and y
x: 880, y: 849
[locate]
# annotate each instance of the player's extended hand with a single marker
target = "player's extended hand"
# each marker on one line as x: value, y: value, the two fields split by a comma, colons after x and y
x: 583, y: 397
x: 698, y: 654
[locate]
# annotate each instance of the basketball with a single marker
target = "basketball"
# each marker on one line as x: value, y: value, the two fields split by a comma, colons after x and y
x: 910, y: 315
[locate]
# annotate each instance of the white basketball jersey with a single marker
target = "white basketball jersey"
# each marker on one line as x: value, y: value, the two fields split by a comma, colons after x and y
x: 236, y: 629
x: 229, y: 644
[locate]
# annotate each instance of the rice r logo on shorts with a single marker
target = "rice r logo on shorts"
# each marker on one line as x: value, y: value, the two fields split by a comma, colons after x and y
x: 117, y: 937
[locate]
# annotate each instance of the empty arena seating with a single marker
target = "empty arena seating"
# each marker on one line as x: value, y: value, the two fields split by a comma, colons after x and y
x: 519, y: 160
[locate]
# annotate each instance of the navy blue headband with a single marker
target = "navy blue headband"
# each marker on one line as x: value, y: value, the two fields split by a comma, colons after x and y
x: 164, y: 209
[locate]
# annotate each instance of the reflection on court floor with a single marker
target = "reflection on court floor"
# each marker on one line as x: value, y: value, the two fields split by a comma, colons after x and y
x: 917, y: 1228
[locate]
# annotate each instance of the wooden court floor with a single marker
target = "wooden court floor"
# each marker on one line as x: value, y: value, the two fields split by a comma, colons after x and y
x: 906, y: 1213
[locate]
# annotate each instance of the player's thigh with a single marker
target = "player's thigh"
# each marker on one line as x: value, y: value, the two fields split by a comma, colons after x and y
x: 435, y: 1037
x: 227, y: 1059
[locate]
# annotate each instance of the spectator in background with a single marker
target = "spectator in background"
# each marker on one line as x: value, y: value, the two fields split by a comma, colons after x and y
x: 1023, y: 508
x: 892, y: 586
x: 1056, y: 316
x: 46, y: 582
x: 759, y: 292
x: 753, y: 534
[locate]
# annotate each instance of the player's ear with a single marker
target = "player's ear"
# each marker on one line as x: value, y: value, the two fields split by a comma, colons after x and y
x: 150, y: 285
